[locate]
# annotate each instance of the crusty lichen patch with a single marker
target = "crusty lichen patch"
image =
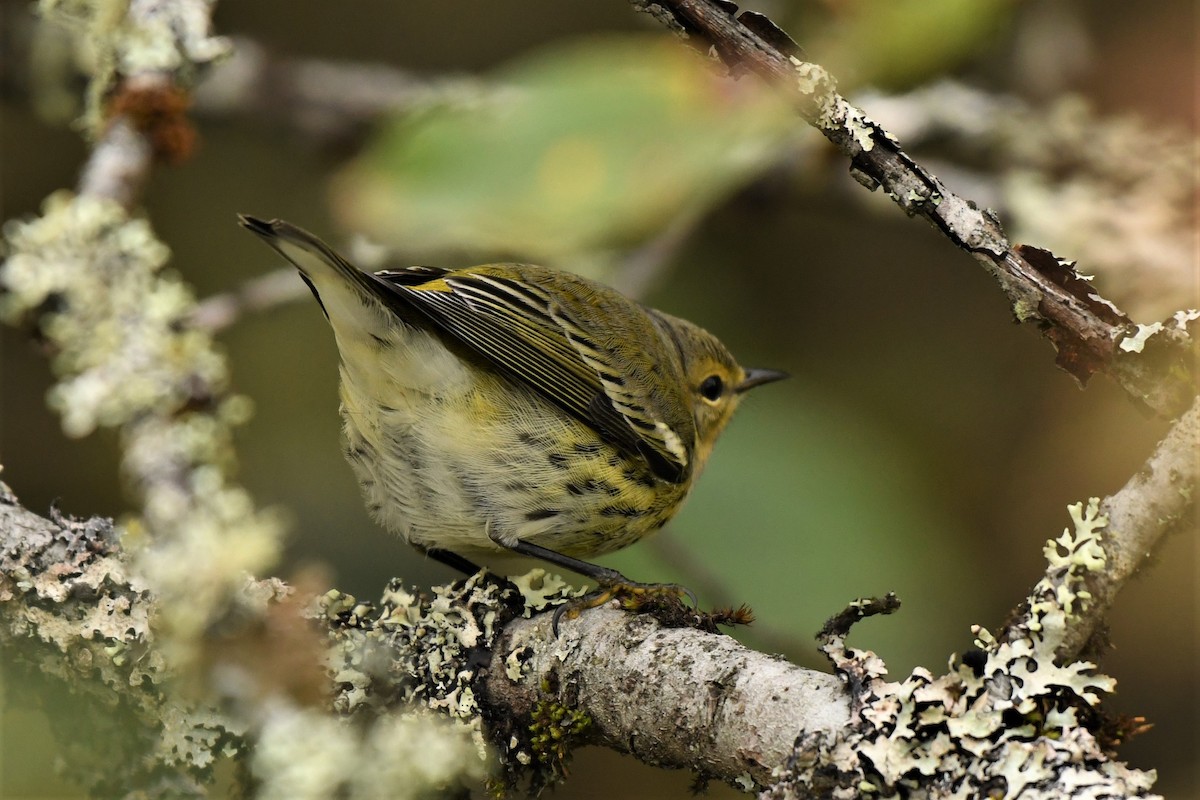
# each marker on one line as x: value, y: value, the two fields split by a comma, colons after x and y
x: 93, y: 278
x: 406, y: 721
x: 440, y: 644
x: 113, y: 314
x: 76, y: 617
x: 1006, y: 720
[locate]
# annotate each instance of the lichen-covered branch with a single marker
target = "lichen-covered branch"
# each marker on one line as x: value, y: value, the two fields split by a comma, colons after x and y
x: 76, y: 617
x: 327, y: 102
x: 1086, y: 330
x: 72, y: 614
x: 677, y: 697
x: 1007, y: 717
x: 1005, y: 720
x: 70, y: 608
x: 1158, y: 500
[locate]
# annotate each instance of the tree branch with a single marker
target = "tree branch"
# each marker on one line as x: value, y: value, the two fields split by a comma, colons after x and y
x: 672, y: 697
x: 1007, y: 717
x: 1159, y: 499
x: 330, y: 103
x: 677, y: 697
x: 1042, y: 289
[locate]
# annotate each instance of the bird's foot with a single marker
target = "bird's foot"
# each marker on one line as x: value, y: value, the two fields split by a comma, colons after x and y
x: 674, y: 606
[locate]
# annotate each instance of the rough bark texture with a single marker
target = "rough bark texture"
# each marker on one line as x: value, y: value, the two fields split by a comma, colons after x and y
x: 672, y: 697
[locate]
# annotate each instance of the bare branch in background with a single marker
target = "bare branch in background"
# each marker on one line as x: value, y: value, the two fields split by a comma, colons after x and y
x: 1116, y: 193
x: 1085, y: 329
x: 330, y: 103
x: 275, y: 288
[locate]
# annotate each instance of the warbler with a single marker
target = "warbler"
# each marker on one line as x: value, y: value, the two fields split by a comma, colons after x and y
x: 511, y: 407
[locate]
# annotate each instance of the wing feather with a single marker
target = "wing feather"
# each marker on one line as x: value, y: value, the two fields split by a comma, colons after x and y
x: 547, y: 344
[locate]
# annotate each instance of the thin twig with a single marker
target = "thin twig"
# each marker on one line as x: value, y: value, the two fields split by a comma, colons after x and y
x: 329, y: 103
x: 275, y: 288
x: 1158, y: 500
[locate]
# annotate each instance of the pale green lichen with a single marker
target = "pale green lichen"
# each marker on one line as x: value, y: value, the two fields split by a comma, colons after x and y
x: 436, y: 636
x: 1006, y: 725
x: 1026, y: 309
x: 1184, y: 318
x: 1070, y: 558
x: 114, y: 315
x: 814, y: 82
x: 426, y: 651
x: 308, y: 754
x: 125, y: 357
x: 516, y: 664
x: 1136, y: 342
x: 165, y: 37
x: 81, y: 620
x: 859, y: 125
x: 542, y: 590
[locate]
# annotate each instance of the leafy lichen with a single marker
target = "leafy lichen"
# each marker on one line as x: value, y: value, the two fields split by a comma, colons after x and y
x: 1006, y: 720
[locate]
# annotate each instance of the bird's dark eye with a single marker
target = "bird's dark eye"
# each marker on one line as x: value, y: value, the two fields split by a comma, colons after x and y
x: 712, y: 388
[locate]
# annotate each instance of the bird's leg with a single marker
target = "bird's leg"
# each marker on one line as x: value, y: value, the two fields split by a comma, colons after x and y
x: 451, y: 560
x: 633, y: 595
x: 468, y: 567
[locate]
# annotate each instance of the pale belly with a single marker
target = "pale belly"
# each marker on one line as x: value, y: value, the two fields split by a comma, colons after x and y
x: 453, y: 471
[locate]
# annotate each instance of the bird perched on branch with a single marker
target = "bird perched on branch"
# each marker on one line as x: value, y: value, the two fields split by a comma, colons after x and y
x: 511, y: 407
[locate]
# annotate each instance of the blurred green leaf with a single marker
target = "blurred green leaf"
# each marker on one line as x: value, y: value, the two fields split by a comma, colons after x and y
x: 586, y: 148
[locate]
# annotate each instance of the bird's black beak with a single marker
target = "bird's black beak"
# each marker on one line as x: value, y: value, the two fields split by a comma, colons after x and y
x: 757, y: 377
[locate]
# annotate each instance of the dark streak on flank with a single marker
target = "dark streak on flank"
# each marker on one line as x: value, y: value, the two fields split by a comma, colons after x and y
x: 542, y: 513
x: 640, y: 478
x: 532, y: 439
x: 592, y: 486
x: 621, y: 511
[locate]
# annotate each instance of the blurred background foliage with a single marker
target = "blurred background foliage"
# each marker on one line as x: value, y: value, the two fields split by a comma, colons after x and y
x: 924, y: 445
